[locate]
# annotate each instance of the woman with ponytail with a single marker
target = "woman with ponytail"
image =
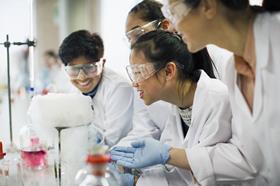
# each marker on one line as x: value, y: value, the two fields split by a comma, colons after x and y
x: 161, y: 68
x: 252, y: 34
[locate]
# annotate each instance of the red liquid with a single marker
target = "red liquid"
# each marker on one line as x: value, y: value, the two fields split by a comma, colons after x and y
x: 34, y: 159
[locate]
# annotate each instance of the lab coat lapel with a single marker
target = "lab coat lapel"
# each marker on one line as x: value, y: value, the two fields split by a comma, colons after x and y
x: 197, y: 110
x: 261, y: 36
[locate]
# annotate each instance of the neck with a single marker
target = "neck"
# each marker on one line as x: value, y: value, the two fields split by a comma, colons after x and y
x: 183, y: 97
x: 233, y: 33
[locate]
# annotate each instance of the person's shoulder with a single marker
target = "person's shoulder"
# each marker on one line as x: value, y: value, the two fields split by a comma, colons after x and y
x: 112, y: 78
x: 113, y: 83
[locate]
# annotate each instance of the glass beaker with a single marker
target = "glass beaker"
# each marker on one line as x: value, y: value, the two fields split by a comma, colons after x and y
x: 34, y: 166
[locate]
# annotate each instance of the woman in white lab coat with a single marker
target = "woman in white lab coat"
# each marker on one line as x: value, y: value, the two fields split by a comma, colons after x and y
x: 112, y: 96
x: 144, y: 17
x: 163, y: 69
x: 252, y: 75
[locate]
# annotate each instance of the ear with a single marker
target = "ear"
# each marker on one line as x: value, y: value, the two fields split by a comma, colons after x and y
x: 170, y: 71
x: 209, y: 8
x: 165, y: 24
x: 103, y: 62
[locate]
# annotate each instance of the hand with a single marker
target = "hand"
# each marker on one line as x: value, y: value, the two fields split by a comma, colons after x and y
x: 143, y: 153
x: 124, y: 178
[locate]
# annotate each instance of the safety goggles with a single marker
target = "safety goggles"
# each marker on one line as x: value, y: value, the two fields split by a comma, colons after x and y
x: 90, y: 69
x: 175, y: 11
x: 140, y: 72
x: 135, y: 33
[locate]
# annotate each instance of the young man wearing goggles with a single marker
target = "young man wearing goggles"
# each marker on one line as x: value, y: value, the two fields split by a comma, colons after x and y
x: 112, y: 96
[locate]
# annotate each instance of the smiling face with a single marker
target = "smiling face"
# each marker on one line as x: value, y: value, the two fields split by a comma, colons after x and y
x: 149, y: 87
x: 192, y: 25
x: 84, y: 81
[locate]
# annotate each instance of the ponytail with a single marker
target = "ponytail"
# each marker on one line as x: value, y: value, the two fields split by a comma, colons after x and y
x: 203, y: 61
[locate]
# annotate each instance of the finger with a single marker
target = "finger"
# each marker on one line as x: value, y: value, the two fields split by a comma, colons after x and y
x: 124, y: 149
x: 123, y: 154
x: 138, y: 144
x: 129, y: 164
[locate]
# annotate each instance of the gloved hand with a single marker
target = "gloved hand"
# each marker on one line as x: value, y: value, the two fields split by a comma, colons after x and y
x: 125, y: 178
x: 143, y: 153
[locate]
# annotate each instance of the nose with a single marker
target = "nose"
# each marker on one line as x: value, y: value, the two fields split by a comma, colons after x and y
x: 81, y: 75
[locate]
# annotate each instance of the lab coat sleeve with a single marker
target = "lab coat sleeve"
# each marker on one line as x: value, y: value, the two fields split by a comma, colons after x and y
x: 118, y: 113
x: 143, y: 123
x: 214, y: 159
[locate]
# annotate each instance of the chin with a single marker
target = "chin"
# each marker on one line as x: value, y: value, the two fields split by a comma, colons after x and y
x: 148, y: 102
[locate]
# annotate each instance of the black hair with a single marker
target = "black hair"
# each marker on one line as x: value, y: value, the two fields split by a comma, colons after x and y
x: 268, y: 5
x: 81, y: 43
x: 271, y: 5
x: 160, y: 47
x: 148, y: 10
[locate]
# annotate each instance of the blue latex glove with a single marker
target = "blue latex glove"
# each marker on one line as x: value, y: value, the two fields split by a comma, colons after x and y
x: 125, y: 178
x: 143, y: 153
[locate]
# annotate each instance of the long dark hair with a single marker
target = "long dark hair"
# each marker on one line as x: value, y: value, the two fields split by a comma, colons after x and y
x: 161, y: 47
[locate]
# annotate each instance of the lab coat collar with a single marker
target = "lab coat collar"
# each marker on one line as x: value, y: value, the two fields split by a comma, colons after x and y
x: 198, y: 105
x: 261, y: 36
x: 197, y: 99
x: 262, y: 47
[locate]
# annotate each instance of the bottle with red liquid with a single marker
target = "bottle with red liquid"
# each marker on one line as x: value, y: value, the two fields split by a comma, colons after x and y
x: 97, y: 172
x: 35, y: 168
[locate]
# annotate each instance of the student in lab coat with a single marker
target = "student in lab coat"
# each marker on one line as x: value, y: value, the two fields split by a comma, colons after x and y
x: 144, y: 17
x: 163, y: 69
x: 252, y: 37
x: 112, y: 96
x: 252, y: 75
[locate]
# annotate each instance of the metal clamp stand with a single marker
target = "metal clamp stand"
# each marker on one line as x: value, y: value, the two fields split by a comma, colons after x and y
x: 7, y: 44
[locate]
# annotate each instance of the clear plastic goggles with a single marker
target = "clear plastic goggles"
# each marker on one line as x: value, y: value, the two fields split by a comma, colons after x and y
x: 175, y: 11
x: 134, y: 34
x: 140, y: 72
x: 90, y: 69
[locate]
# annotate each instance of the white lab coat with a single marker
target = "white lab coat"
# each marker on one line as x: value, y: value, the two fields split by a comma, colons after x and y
x: 258, y: 135
x: 113, y: 107
x: 148, y: 121
x: 254, y: 159
x: 210, y: 125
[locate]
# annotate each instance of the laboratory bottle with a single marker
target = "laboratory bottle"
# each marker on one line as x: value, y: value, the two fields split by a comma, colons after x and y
x: 97, y: 172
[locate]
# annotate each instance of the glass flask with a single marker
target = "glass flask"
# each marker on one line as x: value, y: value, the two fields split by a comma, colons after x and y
x: 97, y: 172
x: 35, y: 169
